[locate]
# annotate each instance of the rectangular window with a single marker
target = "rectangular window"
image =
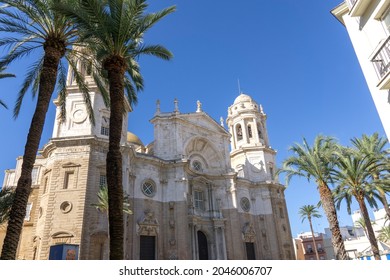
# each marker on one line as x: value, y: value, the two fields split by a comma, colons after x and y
x: 104, y: 131
x: 199, y: 200
x: 34, y: 176
x: 69, y: 180
x: 28, y: 212
x: 250, y: 250
x: 102, y: 181
x: 105, y: 128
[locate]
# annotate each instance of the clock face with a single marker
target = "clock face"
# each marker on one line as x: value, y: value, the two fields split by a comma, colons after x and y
x: 79, y: 115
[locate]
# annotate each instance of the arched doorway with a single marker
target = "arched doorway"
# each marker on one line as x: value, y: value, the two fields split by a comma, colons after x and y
x: 202, y: 246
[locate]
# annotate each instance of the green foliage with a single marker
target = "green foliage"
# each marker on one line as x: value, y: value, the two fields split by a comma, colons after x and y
x: 313, y: 163
x: 6, y: 200
x: 309, y: 212
x: 384, y: 234
x: 2, y: 76
x: 34, y: 25
x: 102, y: 204
x: 115, y: 29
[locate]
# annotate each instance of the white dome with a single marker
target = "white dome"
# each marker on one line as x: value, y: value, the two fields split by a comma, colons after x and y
x: 243, y: 98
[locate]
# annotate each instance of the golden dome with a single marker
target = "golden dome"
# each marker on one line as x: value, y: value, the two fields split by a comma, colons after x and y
x: 134, y: 139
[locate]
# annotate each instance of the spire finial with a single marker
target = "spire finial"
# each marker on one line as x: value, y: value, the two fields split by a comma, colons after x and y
x: 239, y: 87
x: 157, y: 107
x: 198, y: 106
x: 176, y: 102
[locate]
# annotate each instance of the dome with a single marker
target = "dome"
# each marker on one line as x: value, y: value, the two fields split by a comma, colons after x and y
x: 134, y: 139
x: 243, y: 98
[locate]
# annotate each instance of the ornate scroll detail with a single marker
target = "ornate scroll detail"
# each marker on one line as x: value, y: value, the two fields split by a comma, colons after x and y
x: 249, y: 234
x: 148, y: 225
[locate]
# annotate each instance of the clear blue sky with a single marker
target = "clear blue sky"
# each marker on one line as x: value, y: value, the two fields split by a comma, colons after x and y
x: 293, y: 57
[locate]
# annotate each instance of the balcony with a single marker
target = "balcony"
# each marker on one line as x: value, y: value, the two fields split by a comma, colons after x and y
x: 381, y: 61
x: 357, y: 7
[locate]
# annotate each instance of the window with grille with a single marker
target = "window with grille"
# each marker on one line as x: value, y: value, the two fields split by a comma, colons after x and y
x: 197, y: 165
x: 105, y: 128
x: 149, y: 188
x: 199, y: 200
x: 102, y: 181
x: 245, y: 204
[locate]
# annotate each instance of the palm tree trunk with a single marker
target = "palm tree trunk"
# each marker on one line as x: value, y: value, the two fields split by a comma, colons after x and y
x: 383, y: 198
x: 331, y: 215
x: 314, y: 239
x: 385, y: 203
x: 47, y: 84
x: 115, y: 68
x: 370, y: 231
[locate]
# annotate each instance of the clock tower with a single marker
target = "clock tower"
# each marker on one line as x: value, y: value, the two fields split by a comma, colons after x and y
x: 77, y: 122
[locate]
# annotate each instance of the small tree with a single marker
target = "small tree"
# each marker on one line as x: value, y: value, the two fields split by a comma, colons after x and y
x: 308, y: 212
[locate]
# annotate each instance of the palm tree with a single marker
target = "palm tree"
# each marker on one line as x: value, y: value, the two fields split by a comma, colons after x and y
x: 315, y: 163
x: 2, y: 76
x: 35, y: 26
x: 374, y: 146
x: 102, y: 204
x: 360, y: 223
x: 113, y: 31
x: 384, y: 234
x: 308, y: 212
x: 6, y: 199
x: 354, y: 178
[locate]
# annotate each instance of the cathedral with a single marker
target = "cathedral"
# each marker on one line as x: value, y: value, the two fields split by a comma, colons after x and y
x: 199, y: 191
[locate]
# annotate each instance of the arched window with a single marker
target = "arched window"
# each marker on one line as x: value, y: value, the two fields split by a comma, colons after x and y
x: 249, y: 131
x: 259, y: 131
x: 239, y: 132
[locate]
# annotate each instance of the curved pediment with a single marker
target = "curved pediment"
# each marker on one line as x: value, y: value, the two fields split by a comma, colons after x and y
x: 202, y: 150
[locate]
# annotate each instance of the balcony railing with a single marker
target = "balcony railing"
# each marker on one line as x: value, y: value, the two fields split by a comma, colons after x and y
x: 381, y: 61
x: 357, y: 7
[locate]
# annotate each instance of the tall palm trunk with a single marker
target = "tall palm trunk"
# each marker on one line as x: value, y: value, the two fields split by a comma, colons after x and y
x: 370, y: 231
x: 116, y: 70
x: 385, y: 203
x: 313, y: 237
x: 383, y: 198
x: 47, y: 84
x: 331, y: 215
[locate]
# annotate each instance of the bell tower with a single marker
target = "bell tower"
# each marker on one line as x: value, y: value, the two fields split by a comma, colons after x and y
x: 77, y: 123
x: 251, y: 155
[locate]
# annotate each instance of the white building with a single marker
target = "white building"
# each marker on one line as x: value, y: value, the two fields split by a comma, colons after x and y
x: 198, y: 191
x: 356, y: 242
x: 368, y: 25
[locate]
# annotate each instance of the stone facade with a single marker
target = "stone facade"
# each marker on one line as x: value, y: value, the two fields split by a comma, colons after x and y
x: 197, y: 191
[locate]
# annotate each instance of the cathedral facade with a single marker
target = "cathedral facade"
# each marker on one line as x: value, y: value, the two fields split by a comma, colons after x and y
x: 198, y: 191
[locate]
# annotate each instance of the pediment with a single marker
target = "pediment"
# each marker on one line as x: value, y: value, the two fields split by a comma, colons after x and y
x: 204, y: 121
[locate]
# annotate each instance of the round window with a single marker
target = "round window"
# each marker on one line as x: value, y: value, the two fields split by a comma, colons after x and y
x: 197, y: 165
x: 149, y: 188
x: 245, y: 204
x: 66, y: 207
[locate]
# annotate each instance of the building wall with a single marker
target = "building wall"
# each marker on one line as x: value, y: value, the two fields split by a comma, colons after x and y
x: 234, y: 212
x: 367, y: 32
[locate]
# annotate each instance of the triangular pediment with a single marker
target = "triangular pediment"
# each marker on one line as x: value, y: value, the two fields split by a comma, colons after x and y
x: 203, y: 120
